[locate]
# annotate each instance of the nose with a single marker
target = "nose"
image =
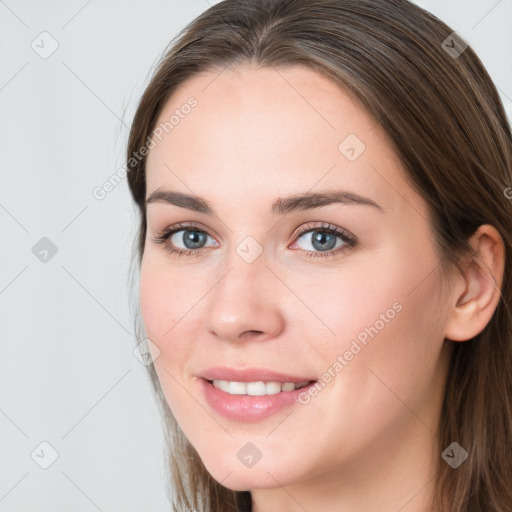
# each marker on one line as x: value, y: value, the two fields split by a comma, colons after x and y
x: 244, y: 304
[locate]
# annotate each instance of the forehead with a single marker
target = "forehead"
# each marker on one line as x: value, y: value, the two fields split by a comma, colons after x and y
x: 261, y: 132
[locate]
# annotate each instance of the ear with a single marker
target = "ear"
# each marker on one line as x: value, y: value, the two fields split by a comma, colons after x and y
x: 477, y: 292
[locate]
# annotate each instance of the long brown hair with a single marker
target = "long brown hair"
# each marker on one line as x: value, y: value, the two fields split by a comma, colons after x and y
x: 434, y: 99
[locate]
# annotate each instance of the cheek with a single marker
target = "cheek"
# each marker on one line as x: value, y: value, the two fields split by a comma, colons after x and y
x: 154, y: 304
x: 351, y: 305
x: 385, y: 315
x: 162, y: 306
x: 390, y: 336
x: 389, y: 299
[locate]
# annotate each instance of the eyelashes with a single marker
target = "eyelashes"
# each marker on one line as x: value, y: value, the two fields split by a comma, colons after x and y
x: 348, y: 239
x: 322, y: 233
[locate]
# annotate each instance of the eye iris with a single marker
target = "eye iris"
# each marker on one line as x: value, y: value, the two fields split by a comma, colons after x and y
x: 195, y: 237
x: 320, y: 237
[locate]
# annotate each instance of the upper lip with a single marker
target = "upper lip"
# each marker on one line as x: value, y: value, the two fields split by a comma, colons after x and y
x: 250, y: 375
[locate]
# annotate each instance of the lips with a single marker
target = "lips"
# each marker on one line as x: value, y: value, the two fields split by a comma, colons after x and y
x: 239, y: 403
x: 246, y: 408
x: 251, y: 375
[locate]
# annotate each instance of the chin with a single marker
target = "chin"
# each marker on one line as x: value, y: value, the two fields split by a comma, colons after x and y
x: 238, y: 481
x: 234, y: 476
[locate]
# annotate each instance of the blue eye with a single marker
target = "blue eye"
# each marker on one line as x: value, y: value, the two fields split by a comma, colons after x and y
x: 324, y: 240
x: 192, y: 238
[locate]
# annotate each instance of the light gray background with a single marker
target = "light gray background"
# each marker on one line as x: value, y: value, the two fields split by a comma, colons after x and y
x: 68, y: 374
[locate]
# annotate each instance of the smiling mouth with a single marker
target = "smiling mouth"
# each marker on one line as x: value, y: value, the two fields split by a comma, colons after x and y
x: 258, y: 388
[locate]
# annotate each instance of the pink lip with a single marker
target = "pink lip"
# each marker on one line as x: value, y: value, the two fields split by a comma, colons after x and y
x: 249, y: 408
x: 250, y: 375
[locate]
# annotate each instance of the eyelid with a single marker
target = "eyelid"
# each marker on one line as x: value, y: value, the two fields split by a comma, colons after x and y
x: 342, y: 232
x: 179, y: 226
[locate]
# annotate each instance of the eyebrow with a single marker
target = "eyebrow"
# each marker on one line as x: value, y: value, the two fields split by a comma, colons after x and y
x: 280, y: 206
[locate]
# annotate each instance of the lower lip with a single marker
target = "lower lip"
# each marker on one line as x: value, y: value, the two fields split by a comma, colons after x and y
x: 246, y: 407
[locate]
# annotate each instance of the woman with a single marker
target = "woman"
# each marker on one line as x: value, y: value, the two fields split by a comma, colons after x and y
x: 324, y: 249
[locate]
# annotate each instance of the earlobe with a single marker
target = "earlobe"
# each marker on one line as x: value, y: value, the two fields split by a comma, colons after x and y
x: 478, y: 291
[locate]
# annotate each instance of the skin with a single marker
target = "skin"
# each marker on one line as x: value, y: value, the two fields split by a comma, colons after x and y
x: 367, y: 441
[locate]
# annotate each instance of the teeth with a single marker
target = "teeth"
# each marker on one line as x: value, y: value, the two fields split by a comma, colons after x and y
x: 236, y: 388
x: 256, y: 388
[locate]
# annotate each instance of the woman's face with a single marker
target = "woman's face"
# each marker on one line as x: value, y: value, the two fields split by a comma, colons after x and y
x: 360, y: 310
